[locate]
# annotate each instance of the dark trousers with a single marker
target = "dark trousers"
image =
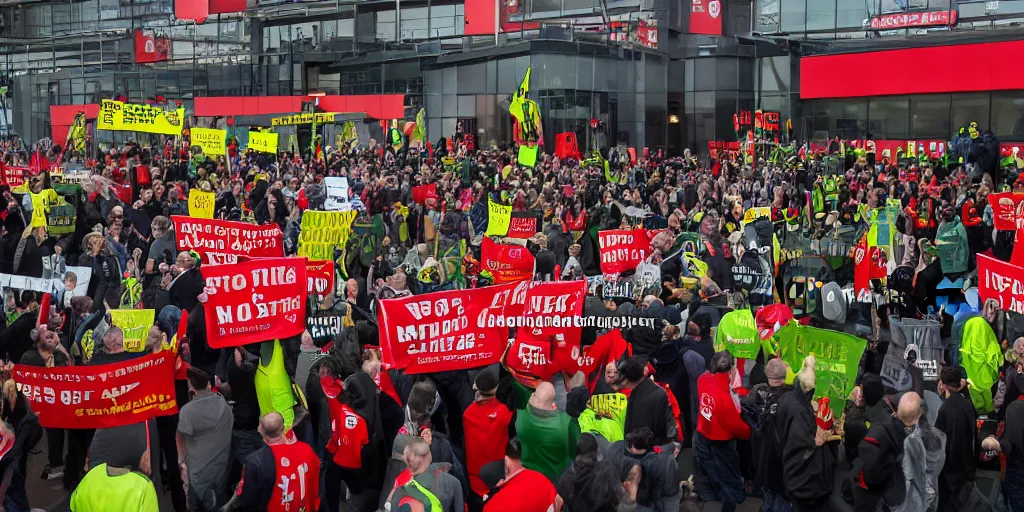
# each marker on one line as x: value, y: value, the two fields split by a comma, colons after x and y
x: 55, y: 447
x: 721, y: 463
x: 78, y: 451
x: 168, y: 427
x: 332, y: 491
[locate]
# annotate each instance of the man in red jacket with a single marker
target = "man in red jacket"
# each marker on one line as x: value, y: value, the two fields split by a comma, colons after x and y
x: 719, y: 425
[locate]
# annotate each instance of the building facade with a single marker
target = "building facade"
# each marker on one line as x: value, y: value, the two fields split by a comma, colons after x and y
x: 661, y: 74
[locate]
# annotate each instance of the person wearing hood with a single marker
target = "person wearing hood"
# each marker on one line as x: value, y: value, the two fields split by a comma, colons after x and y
x: 958, y: 421
x: 548, y: 436
x: 648, y: 404
x: 357, y: 434
x: 659, y: 481
x: 698, y: 327
x: 1011, y: 445
x: 719, y: 426
x: 808, y: 458
x: 106, y: 272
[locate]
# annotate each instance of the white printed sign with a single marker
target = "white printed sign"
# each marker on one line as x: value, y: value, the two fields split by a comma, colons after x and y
x: 337, y: 194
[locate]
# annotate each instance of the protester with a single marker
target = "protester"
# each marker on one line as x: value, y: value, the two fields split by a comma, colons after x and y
x: 958, y: 421
x: 428, y: 485
x: 548, y: 436
x: 648, y: 403
x: 486, y: 422
x: 204, y: 443
x: 280, y: 475
x: 719, y: 426
x: 520, y: 489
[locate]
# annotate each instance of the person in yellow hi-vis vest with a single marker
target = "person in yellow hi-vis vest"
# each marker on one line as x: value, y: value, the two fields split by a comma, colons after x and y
x: 273, y: 386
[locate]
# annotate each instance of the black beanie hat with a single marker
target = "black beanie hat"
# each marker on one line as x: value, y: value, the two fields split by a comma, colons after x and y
x: 872, y: 388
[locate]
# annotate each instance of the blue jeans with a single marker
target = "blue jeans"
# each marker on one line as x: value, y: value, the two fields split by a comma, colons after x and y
x: 776, y: 502
x: 721, y: 463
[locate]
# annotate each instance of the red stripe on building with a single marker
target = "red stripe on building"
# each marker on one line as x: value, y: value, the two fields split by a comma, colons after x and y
x: 883, y: 73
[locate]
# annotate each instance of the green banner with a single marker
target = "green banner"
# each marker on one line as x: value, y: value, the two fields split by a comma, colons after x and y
x: 737, y: 333
x: 837, y: 357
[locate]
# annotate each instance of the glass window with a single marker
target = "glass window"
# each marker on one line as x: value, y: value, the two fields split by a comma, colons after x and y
x: 1008, y: 115
x: 888, y: 118
x: 821, y: 14
x: 820, y: 112
x: 767, y: 16
x: 929, y: 116
x: 688, y: 74
x: 703, y: 108
x: 728, y: 73
x: 704, y: 74
x: 851, y: 119
x: 851, y: 14
x: 970, y: 107
x: 793, y: 14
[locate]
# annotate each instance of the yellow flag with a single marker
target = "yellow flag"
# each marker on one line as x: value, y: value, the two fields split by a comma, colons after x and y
x: 516, y: 106
x: 200, y: 204
x: 263, y: 142
x: 115, y: 115
x: 499, y: 217
x: 322, y: 232
x: 135, y: 323
x: 211, y: 140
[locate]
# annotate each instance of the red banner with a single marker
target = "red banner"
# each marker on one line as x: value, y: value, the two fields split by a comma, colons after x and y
x: 1007, y: 210
x: 706, y: 17
x: 320, y: 278
x: 523, y: 225
x: 623, y: 249
x: 441, y: 331
x: 255, y: 301
x: 506, y: 263
x: 222, y: 241
x: 550, y: 308
x: 103, y: 396
x: 150, y: 48
x: 420, y: 193
x: 914, y: 19
x: 15, y: 176
x: 1001, y: 281
x: 566, y: 146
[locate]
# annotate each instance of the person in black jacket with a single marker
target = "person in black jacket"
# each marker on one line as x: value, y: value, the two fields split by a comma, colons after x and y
x: 659, y: 483
x: 106, y: 272
x: 763, y: 402
x: 188, y: 283
x: 648, y: 403
x: 808, y: 460
x: 956, y: 419
x: 880, y: 475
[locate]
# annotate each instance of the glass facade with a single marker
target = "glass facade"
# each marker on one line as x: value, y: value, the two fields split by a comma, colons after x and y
x: 925, y: 116
x: 628, y: 96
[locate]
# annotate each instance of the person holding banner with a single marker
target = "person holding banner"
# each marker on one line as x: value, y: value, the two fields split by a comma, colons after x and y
x: 49, y: 353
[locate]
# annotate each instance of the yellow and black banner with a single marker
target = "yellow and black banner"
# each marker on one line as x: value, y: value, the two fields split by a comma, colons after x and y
x: 119, y: 116
x: 307, y: 118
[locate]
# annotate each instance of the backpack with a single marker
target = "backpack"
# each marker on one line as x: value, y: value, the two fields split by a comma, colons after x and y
x: 433, y: 503
x: 762, y: 417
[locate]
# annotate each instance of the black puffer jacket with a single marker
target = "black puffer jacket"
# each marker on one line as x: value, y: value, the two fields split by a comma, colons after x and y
x: 807, y: 469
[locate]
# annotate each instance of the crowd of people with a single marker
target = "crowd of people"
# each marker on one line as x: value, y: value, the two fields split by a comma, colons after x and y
x: 657, y: 418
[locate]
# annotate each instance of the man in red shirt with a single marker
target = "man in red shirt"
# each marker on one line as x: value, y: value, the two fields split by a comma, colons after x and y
x: 719, y: 425
x: 485, y: 423
x: 280, y: 476
x: 522, y: 490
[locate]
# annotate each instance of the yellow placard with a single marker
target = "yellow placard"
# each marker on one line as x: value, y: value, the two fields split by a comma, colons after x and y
x: 307, y: 118
x: 321, y: 232
x: 263, y: 142
x: 211, y: 140
x: 135, y: 323
x: 200, y: 204
x: 752, y: 214
x: 499, y: 217
x: 118, y: 116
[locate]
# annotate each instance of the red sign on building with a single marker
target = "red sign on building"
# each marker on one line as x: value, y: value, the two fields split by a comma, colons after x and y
x: 914, y: 19
x: 706, y: 17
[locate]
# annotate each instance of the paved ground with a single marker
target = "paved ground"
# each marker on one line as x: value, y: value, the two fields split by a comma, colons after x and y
x: 49, y: 495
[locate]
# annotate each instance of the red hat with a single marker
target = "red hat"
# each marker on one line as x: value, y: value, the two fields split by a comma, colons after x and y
x: 772, y: 318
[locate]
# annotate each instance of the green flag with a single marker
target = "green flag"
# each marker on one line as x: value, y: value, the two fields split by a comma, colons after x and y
x: 837, y: 358
x: 737, y: 333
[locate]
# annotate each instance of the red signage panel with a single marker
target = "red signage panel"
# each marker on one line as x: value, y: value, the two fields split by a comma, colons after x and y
x: 706, y: 17
x: 913, y: 19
